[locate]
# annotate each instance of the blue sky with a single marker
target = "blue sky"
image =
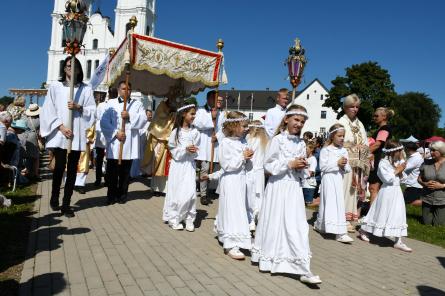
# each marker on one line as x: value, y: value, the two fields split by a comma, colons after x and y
x: 405, y: 37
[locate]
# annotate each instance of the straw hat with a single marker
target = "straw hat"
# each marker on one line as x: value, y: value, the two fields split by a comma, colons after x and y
x: 33, y: 110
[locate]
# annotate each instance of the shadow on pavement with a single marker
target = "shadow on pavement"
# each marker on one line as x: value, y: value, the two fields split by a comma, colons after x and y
x: 429, y: 291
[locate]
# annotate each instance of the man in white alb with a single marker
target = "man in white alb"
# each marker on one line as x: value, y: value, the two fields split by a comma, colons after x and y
x: 118, y: 175
x: 275, y: 115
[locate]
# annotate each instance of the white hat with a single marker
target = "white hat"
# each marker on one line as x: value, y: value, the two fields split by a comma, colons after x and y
x: 33, y: 110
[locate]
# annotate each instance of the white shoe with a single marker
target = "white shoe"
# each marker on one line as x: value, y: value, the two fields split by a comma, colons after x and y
x: 310, y: 279
x: 189, y: 226
x: 7, y: 203
x: 363, y: 236
x: 344, y: 238
x: 252, y: 226
x: 401, y: 246
x: 236, y: 254
x: 178, y: 226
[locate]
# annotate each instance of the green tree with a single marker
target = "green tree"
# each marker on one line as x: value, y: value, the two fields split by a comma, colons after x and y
x: 416, y: 114
x: 6, y: 100
x: 370, y: 82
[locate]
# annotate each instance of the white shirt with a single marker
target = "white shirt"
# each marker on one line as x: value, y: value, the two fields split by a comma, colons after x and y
x: 111, y: 123
x: 204, y: 123
x: 412, y: 170
x: 55, y: 112
x: 273, y: 119
x: 312, y: 166
x: 2, y: 133
x: 100, y: 139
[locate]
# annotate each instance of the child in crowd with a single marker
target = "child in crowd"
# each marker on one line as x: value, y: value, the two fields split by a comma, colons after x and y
x: 387, y: 215
x: 232, y: 225
x: 257, y: 141
x: 333, y: 164
x: 282, y: 235
x: 180, y: 200
x: 309, y: 183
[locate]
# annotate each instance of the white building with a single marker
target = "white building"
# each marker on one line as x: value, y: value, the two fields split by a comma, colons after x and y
x: 99, y: 37
x: 312, y: 97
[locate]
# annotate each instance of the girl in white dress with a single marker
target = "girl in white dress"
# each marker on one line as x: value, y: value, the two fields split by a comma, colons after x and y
x: 282, y: 234
x: 180, y: 199
x: 333, y: 164
x: 387, y: 216
x: 257, y: 140
x: 232, y: 225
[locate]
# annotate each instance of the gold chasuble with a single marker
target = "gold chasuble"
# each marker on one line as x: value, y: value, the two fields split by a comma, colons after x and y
x: 84, y: 160
x: 156, y: 154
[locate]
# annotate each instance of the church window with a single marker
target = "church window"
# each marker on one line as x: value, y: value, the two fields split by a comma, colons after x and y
x: 88, y: 69
x: 321, y: 97
x: 96, y: 64
x: 61, y: 68
x: 307, y: 96
x: 323, y: 114
x: 147, y: 31
x: 95, y: 43
x: 322, y: 130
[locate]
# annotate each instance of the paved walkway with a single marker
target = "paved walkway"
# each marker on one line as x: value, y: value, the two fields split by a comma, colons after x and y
x: 127, y: 250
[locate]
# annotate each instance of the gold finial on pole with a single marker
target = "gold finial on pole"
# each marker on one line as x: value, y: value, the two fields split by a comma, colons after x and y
x: 112, y: 51
x: 133, y: 22
x: 220, y: 44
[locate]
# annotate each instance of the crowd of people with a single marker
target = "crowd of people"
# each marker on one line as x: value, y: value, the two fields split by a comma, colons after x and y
x: 264, y: 172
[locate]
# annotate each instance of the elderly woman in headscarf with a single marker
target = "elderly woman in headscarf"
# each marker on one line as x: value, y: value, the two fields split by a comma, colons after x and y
x: 356, y: 142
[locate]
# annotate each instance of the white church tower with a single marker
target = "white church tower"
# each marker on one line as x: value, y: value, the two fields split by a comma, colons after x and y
x: 144, y: 10
x: 98, y: 38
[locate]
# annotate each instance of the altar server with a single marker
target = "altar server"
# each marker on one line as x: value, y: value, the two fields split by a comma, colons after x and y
x: 180, y: 200
x: 206, y: 118
x: 275, y: 115
x: 53, y: 126
x: 282, y: 234
x: 333, y: 164
x: 118, y: 175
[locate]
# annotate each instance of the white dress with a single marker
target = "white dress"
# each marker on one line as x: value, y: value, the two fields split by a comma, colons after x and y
x: 331, y: 212
x: 387, y: 216
x: 232, y: 225
x: 255, y: 178
x: 180, y: 199
x: 282, y: 235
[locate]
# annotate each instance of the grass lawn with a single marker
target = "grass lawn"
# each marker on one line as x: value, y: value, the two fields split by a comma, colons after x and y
x: 15, y: 223
x: 419, y: 231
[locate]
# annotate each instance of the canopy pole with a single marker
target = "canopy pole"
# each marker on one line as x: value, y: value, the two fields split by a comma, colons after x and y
x: 132, y: 23
x: 219, y: 45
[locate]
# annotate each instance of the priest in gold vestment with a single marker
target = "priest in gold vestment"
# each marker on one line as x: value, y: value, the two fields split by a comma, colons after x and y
x: 156, y: 156
x: 84, y: 161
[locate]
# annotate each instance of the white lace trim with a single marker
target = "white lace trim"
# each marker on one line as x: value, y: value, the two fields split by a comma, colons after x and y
x: 237, y: 236
x: 295, y: 260
x: 381, y: 226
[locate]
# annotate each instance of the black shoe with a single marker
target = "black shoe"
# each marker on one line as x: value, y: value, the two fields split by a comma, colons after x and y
x: 110, y: 201
x: 204, y: 200
x: 122, y: 200
x: 54, y: 207
x: 97, y: 183
x: 81, y: 190
x: 69, y: 213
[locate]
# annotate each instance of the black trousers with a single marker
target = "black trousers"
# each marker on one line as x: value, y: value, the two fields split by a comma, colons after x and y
x: 59, y: 169
x: 118, y: 178
x: 100, y: 153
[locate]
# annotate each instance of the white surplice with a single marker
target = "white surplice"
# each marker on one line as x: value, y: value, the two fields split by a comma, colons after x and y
x: 282, y: 235
x: 387, y: 215
x: 255, y: 177
x: 232, y: 224
x: 111, y: 123
x: 331, y: 212
x: 100, y: 139
x: 180, y: 199
x: 55, y: 112
x: 204, y: 123
x: 273, y: 119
